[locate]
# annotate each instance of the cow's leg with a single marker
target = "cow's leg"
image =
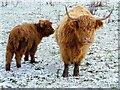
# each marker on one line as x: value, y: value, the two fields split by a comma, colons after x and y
x: 32, y: 54
x: 9, y: 56
x: 76, y: 69
x: 76, y: 66
x: 18, y: 57
x: 65, y: 72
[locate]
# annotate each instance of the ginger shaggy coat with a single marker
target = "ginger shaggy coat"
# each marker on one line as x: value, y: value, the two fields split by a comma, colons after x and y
x: 74, y: 35
x: 24, y: 39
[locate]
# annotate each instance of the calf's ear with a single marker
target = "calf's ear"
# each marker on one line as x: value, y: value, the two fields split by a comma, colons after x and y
x: 42, y: 23
x: 99, y: 24
x: 74, y: 24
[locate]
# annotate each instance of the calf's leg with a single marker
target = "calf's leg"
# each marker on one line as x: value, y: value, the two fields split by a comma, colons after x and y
x: 26, y: 56
x: 18, y: 57
x: 32, y: 54
x: 9, y: 56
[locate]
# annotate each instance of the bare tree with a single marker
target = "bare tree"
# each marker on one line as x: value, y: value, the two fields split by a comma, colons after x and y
x: 16, y: 3
x: 94, y: 5
x: 4, y: 4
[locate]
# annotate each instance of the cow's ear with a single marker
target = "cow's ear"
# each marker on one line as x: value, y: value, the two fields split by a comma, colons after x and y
x: 99, y: 24
x: 42, y: 23
x: 74, y: 24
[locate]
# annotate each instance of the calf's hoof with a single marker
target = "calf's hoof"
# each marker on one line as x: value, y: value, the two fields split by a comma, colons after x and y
x: 18, y: 65
x: 25, y: 59
x: 7, y: 67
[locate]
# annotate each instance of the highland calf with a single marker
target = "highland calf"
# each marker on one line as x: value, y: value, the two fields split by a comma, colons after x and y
x: 24, y: 39
x: 75, y: 34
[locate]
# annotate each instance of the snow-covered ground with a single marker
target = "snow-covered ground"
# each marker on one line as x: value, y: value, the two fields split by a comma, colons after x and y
x: 98, y: 70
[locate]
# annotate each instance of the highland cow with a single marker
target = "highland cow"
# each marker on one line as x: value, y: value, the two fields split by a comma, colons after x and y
x: 24, y: 39
x: 75, y: 34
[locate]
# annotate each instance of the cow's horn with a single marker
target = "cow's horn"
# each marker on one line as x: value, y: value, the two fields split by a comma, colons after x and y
x: 67, y: 13
x: 106, y: 16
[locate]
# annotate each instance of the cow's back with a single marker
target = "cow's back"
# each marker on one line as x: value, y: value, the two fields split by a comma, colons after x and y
x: 21, y: 34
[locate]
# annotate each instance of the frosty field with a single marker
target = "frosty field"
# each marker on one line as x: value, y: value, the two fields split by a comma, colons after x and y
x: 98, y: 70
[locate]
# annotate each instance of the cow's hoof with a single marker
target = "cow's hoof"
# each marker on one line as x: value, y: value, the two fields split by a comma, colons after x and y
x: 34, y: 62
x: 75, y: 75
x: 7, y: 69
x: 65, y: 74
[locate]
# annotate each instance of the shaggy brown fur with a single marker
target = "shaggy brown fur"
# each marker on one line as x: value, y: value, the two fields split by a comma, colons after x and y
x: 74, y: 37
x: 24, y: 39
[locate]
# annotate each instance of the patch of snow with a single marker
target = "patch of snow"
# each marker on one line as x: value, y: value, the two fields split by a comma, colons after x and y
x: 102, y: 70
